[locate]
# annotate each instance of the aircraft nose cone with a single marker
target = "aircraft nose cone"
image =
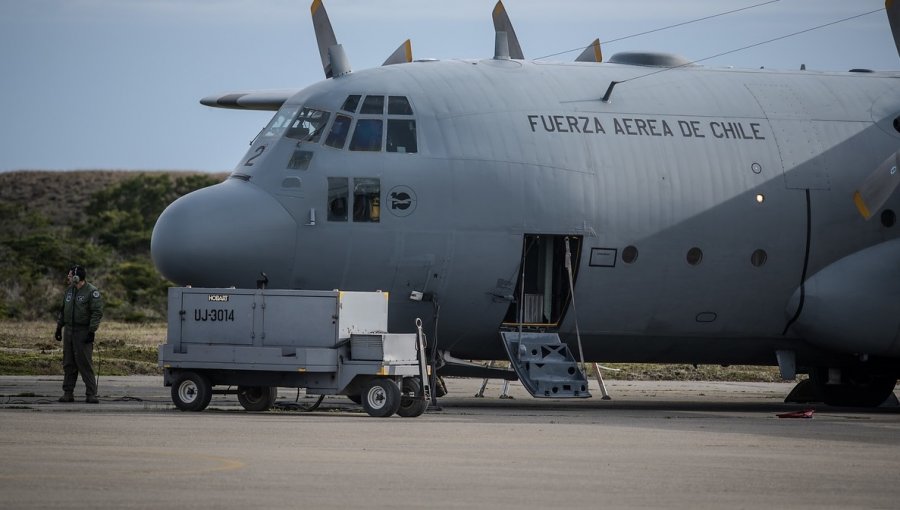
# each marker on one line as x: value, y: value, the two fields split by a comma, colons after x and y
x: 224, y: 236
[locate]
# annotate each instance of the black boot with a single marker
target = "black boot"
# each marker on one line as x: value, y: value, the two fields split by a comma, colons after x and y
x: 91, y: 399
x: 67, y: 397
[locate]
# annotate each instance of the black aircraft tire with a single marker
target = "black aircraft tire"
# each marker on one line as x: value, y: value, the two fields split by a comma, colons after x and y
x: 411, y: 404
x: 381, y: 397
x: 857, y: 389
x: 257, y: 398
x: 191, y: 391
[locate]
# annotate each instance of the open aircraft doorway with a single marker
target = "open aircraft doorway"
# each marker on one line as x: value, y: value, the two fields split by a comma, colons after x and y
x: 542, y: 290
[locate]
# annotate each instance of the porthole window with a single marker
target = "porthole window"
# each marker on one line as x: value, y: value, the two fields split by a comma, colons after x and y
x: 629, y: 254
x: 888, y: 218
x: 758, y: 258
x: 694, y: 256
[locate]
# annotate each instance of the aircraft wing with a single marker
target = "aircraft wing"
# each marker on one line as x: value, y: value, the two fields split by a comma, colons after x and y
x: 250, y: 100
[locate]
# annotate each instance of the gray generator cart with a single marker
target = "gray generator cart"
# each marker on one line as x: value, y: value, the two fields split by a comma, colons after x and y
x: 329, y: 342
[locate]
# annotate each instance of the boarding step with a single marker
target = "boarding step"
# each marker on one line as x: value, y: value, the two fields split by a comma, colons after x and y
x: 545, y: 365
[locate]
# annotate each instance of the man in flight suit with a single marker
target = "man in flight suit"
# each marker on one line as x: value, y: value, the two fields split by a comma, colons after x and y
x: 80, y: 315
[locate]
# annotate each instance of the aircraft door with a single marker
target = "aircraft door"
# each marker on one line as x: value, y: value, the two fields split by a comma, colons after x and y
x: 542, y: 293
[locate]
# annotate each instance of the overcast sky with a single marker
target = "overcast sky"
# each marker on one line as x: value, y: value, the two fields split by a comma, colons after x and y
x: 115, y: 84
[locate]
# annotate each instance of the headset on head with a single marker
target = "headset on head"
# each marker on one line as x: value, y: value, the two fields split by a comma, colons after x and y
x: 75, y: 270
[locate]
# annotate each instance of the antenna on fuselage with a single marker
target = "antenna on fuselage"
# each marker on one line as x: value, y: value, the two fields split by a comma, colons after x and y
x: 591, y: 53
x: 402, y: 55
x: 503, y: 25
x: 334, y: 60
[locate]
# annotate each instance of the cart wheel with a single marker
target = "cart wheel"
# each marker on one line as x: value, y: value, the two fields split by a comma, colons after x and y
x: 257, y: 398
x: 191, y: 391
x: 411, y: 403
x: 381, y: 397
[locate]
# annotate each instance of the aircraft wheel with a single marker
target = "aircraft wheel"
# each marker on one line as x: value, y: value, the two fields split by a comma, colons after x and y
x: 381, y: 397
x: 191, y: 391
x: 257, y: 398
x: 857, y: 388
x: 411, y: 404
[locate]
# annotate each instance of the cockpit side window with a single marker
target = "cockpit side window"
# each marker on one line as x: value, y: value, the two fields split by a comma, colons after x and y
x: 308, y: 125
x: 338, y: 198
x: 366, y: 200
x: 373, y: 105
x: 339, y: 130
x: 351, y: 103
x: 367, y: 135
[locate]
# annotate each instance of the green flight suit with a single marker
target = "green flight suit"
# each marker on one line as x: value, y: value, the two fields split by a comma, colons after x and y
x: 81, y: 313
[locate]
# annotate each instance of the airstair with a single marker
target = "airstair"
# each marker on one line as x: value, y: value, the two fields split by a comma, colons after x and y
x: 545, y: 365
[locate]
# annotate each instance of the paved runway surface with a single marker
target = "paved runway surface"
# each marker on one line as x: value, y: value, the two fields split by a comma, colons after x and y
x: 656, y: 445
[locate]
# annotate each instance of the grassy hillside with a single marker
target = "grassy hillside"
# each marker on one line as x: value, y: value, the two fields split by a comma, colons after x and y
x: 100, y: 219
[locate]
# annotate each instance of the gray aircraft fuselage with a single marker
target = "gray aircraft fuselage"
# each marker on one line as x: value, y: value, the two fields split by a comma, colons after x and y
x: 720, y: 187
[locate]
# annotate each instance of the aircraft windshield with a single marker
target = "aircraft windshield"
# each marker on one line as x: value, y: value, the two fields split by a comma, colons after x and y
x: 308, y: 125
x: 279, y: 122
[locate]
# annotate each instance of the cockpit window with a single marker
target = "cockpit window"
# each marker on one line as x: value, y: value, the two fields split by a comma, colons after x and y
x: 280, y: 121
x: 339, y: 130
x: 367, y: 135
x: 373, y: 105
x: 401, y: 135
x: 398, y: 105
x: 351, y: 103
x: 308, y: 125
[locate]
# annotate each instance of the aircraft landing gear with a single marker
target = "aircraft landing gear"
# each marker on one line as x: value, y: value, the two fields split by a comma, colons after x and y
x: 853, y: 387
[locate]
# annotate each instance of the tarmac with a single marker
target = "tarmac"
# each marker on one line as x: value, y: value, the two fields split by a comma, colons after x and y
x: 654, y: 445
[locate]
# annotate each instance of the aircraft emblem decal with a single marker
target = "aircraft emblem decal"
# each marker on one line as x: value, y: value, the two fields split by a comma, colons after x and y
x: 403, y: 201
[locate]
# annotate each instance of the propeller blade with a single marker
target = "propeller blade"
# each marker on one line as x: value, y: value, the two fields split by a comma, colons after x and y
x: 893, y: 12
x: 324, y: 34
x: 878, y: 187
x: 402, y: 55
x: 502, y: 24
x: 592, y: 53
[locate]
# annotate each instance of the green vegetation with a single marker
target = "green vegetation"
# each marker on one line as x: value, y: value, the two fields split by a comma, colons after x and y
x: 101, y: 220
x: 121, y: 348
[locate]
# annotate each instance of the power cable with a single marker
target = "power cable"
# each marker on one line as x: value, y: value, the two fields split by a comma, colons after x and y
x: 754, y: 45
x: 582, y: 48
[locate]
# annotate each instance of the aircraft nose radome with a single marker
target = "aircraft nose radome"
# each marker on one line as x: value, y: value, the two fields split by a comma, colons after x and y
x: 224, y: 236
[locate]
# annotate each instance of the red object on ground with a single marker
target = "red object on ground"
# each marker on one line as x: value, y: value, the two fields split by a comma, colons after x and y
x: 808, y: 413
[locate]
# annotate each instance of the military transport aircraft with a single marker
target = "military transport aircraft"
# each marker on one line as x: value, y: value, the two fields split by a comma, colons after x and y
x: 641, y: 209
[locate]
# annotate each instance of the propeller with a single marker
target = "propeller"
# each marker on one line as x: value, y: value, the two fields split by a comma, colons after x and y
x: 893, y: 12
x: 592, y: 53
x: 878, y: 186
x: 402, y: 55
x: 502, y: 24
x: 334, y: 61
